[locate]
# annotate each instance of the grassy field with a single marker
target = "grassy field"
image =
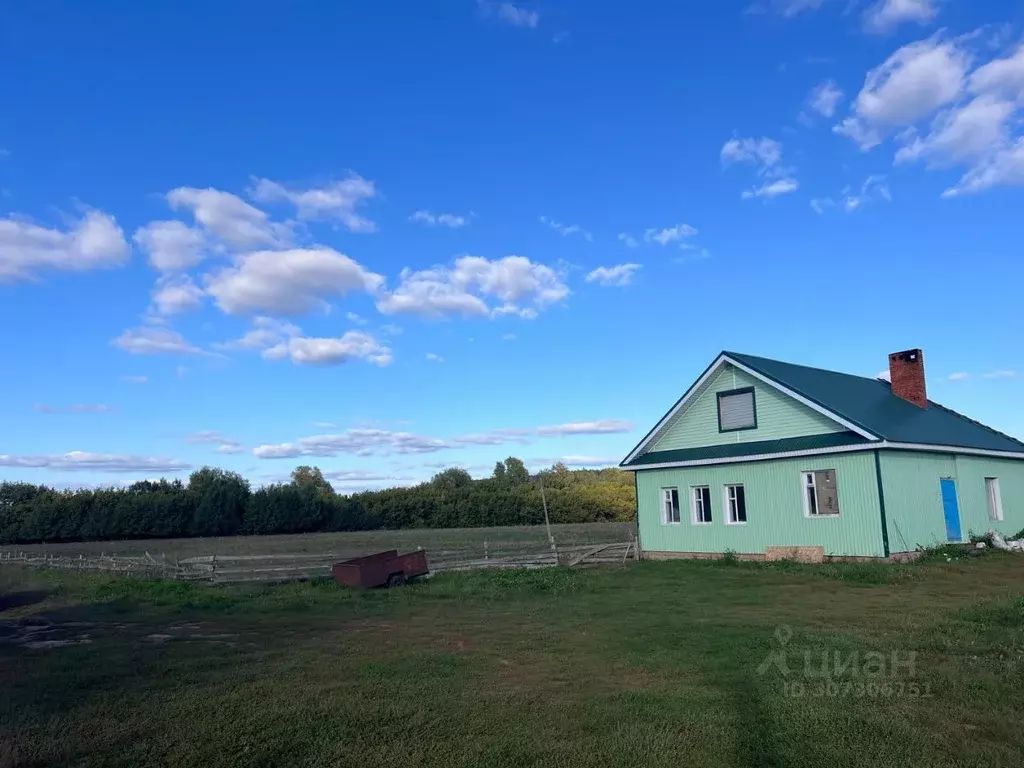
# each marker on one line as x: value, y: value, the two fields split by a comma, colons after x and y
x: 527, y: 537
x: 653, y: 664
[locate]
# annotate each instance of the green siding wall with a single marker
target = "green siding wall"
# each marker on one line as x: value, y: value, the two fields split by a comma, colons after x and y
x: 778, y: 416
x: 775, y: 514
x: 913, y: 500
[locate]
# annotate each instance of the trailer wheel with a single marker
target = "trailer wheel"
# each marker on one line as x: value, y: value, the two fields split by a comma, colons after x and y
x: 396, y: 580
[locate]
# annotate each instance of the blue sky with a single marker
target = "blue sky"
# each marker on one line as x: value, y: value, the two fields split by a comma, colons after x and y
x: 385, y: 237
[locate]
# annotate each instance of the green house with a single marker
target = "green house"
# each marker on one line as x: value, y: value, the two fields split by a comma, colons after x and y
x: 764, y: 458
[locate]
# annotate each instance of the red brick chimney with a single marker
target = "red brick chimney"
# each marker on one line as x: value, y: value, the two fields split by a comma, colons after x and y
x: 906, y: 372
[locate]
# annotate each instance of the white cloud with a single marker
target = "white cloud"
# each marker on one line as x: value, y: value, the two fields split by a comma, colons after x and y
x: 451, y: 220
x: 337, y: 200
x: 886, y: 15
x: 575, y: 461
x: 171, y: 245
x: 764, y: 153
x: 155, y: 340
x: 883, y: 375
x: 295, y: 281
x: 94, y: 241
x: 1004, y: 167
x: 266, y: 332
x: 135, y: 379
x: 772, y: 189
x: 963, y: 133
x: 380, y: 442
x: 628, y: 240
x: 76, y: 461
x: 1001, y: 76
x: 173, y: 295
x: 959, y: 376
x: 875, y: 188
x: 825, y: 98
x: 434, y: 358
x: 819, y: 204
x: 352, y: 317
x: 353, y: 345
x: 619, y: 275
x: 228, y: 217
x: 916, y: 80
x: 669, y: 234
x: 567, y: 229
x: 462, y: 289
x: 1000, y: 375
x: 508, y: 13
x: 80, y: 408
x: 224, y: 444
x: 508, y: 337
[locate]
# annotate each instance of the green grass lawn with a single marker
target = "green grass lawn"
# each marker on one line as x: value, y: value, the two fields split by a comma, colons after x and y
x: 470, y: 540
x: 650, y: 664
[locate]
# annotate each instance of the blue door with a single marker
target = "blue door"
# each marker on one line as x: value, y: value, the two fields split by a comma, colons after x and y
x: 950, y: 508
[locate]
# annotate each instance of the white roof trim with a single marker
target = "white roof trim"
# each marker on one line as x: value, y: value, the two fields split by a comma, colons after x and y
x: 716, y: 366
x: 801, y: 399
x: 825, y: 451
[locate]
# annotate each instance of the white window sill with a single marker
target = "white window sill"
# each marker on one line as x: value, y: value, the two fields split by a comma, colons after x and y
x: 821, y: 517
x: 710, y: 522
x: 744, y: 522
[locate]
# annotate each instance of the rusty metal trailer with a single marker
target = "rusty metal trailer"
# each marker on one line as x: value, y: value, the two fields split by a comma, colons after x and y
x: 381, y: 569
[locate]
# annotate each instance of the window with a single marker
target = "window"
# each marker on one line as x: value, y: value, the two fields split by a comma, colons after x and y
x: 737, y: 410
x: 670, y: 505
x: 735, y: 505
x: 821, y: 496
x: 701, y: 505
x: 995, y: 499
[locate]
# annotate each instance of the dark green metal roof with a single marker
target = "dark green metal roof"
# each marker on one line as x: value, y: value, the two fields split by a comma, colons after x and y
x: 871, y: 405
x: 731, y: 450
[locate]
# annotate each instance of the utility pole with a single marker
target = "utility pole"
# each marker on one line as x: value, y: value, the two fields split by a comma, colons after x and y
x: 547, y: 522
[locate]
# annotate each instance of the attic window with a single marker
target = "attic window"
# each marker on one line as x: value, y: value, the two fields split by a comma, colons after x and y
x: 737, y: 410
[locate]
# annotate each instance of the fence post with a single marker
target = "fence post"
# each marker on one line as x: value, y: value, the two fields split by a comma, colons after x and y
x: 213, y: 568
x: 486, y: 554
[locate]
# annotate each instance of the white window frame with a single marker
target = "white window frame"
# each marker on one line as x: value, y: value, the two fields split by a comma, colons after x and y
x: 666, y: 496
x: 995, y: 510
x: 727, y: 504
x: 804, y: 485
x: 693, y: 505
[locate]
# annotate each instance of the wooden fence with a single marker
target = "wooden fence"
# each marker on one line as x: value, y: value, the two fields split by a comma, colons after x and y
x: 236, y: 569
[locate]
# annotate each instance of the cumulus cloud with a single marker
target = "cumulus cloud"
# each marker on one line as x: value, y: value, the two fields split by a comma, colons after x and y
x: 465, y: 288
x: 434, y: 358
x: 229, y: 218
x: 381, y: 442
x: 278, y: 340
x: 92, y: 242
x: 82, y: 461
x: 353, y: 345
x: 155, y: 340
x: 176, y: 294
x: 293, y: 281
x: 772, y: 189
x: 337, y: 200
x: 912, y: 83
x: 628, y: 240
x: 825, y: 98
x: 567, y: 229
x: 669, y: 234
x: 973, y: 118
x: 885, y: 15
x: 764, y: 153
x: 171, y: 245
x: 619, y: 275
x: 574, y: 461
x: 508, y: 13
x: 450, y: 220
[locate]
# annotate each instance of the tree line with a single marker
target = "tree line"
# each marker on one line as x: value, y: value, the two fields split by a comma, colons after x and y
x: 215, y: 502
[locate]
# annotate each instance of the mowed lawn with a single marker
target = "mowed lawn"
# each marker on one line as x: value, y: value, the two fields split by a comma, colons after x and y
x: 469, y: 540
x: 648, y: 664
